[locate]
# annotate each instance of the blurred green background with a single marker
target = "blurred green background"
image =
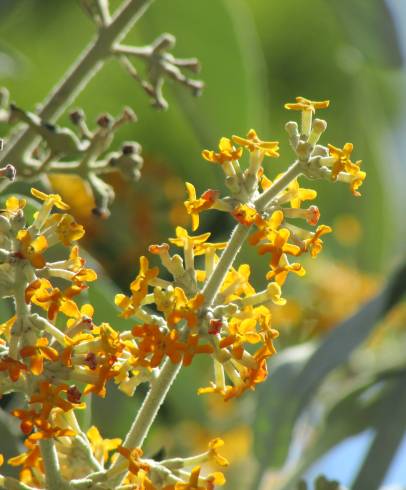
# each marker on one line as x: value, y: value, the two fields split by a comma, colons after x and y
x: 255, y: 55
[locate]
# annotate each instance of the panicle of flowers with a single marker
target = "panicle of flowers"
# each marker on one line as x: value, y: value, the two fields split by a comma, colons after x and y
x: 234, y: 326
x: 55, y: 354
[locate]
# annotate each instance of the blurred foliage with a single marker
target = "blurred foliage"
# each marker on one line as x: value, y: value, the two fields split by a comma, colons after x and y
x: 255, y: 55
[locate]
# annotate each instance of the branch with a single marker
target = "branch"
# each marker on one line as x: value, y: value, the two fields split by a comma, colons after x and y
x: 79, y: 75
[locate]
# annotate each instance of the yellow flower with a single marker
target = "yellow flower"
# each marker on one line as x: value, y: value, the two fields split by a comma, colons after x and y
x: 236, y: 283
x: 68, y: 230
x: 227, y: 152
x: 296, y: 195
x: 50, y: 199
x: 13, y: 204
x: 183, y: 239
x: 281, y: 271
x: 308, y: 108
x: 303, y: 104
x: 100, y: 446
x: 278, y: 246
x: 208, y: 248
x: 267, y: 227
x: 139, y: 289
x: 253, y: 143
x: 314, y: 244
x: 195, y: 206
x: 356, y: 182
x: 342, y: 162
x: 214, y: 445
x: 184, y: 308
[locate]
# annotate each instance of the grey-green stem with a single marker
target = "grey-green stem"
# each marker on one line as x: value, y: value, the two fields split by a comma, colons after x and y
x: 161, y: 385
x: 51, y: 464
x: 241, y: 232
x: 79, y: 75
x: 150, y: 407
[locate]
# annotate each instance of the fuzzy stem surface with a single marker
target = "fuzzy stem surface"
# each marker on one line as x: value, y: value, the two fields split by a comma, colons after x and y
x: 79, y: 74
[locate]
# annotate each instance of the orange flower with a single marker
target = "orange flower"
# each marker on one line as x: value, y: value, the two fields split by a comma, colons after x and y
x: 134, y: 459
x: 31, y: 459
x: 253, y: 143
x: 192, y: 348
x: 279, y: 246
x: 49, y: 397
x: 105, y: 370
x: 266, y: 227
x: 45, y: 430
x: 53, y: 300
x: 32, y: 250
x: 281, y: 271
x: 227, y: 152
x: 66, y: 355
x: 195, y: 481
x: 184, y: 308
x: 29, y: 419
x: 245, y: 214
x: 38, y: 353
x: 154, y: 341
x: 13, y: 367
x: 84, y: 275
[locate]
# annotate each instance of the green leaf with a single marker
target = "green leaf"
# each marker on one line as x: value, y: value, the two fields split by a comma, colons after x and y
x: 321, y: 483
x: 10, y: 437
x: 336, y: 348
x: 293, y: 382
x: 370, y: 405
x: 282, y: 370
x: 390, y: 429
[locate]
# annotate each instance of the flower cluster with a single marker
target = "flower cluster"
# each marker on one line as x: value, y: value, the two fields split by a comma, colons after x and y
x: 233, y: 325
x: 54, y: 353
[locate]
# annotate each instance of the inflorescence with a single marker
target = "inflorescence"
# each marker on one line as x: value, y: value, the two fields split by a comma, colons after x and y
x: 54, y: 353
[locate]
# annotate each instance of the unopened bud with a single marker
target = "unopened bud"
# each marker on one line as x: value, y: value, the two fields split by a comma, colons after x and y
x: 9, y: 172
x: 131, y: 148
x: 77, y: 116
x: 318, y: 128
x: 105, y: 121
